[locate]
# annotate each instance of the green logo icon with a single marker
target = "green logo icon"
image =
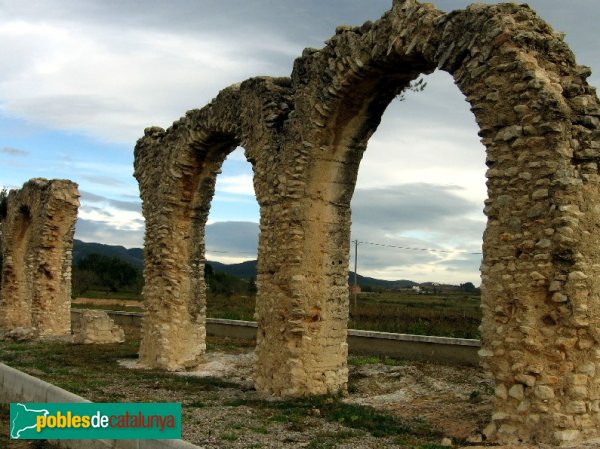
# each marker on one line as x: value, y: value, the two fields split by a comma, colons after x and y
x: 79, y: 421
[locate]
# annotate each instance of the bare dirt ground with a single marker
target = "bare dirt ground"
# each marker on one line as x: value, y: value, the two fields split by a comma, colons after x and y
x: 455, y: 401
x: 390, y: 403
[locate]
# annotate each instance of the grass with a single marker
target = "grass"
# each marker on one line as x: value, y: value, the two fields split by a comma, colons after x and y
x: 66, y: 364
x: 235, y: 307
x: 446, y: 315
x: 92, y: 370
x: 294, y: 412
x: 374, y: 359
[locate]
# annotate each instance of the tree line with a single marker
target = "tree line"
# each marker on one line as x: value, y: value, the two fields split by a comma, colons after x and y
x: 97, y: 272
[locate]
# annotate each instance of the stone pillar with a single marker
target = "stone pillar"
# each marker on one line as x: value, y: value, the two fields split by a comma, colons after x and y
x: 176, y: 190
x: 37, y: 243
x: 539, y: 290
x: 302, y: 312
x: 538, y: 119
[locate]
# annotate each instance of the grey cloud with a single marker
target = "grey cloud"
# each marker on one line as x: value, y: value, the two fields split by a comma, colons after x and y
x: 79, y: 109
x: 408, y: 206
x: 87, y: 208
x: 236, y: 238
x: 310, y: 19
x: 131, y: 206
x: 422, y: 216
x: 103, y: 180
x: 11, y: 151
x: 261, y: 36
x: 463, y: 262
x: 99, y: 232
x: 88, y: 196
x: 372, y: 257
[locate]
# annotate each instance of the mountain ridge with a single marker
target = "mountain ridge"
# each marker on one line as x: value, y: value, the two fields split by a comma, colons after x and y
x: 244, y: 270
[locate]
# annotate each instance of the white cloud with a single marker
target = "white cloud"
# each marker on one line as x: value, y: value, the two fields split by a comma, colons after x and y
x: 430, y: 137
x: 113, y: 218
x: 237, y: 184
x: 101, y: 232
x: 113, y: 82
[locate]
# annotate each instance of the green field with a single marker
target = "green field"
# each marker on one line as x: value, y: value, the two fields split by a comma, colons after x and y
x: 448, y: 314
x: 445, y: 314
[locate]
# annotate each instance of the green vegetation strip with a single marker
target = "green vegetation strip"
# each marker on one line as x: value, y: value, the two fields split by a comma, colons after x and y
x: 335, y: 410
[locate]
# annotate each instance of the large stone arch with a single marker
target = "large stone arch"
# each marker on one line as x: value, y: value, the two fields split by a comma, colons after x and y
x: 538, y: 119
x: 176, y: 170
x: 37, y: 242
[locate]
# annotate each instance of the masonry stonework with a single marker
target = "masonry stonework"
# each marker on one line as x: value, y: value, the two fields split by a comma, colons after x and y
x: 305, y: 136
x: 96, y: 327
x: 37, y: 242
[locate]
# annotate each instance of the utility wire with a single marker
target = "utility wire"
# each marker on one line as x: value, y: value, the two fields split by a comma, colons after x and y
x: 230, y: 252
x: 418, y: 249
x: 408, y: 248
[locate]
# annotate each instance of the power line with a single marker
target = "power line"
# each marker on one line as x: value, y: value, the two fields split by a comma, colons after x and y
x: 408, y: 248
x: 230, y: 252
x: 418, y: 249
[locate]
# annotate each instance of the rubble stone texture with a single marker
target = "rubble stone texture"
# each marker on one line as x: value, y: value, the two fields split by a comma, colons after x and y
x: 96, y: 327
x: 37, y: 243
x: 305, y: 137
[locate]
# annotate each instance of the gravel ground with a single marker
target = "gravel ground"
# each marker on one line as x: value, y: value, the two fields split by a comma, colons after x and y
x: 390, y: 403
x: 442, y: 401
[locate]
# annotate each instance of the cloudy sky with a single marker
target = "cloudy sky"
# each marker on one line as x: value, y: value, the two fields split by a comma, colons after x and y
x: 81, y: 79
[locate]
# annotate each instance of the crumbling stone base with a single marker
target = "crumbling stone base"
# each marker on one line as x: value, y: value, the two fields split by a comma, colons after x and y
x: 96, y: 327
x: 37, y: 243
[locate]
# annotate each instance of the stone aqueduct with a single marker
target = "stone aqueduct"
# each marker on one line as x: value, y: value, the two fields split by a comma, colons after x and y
x: 305, y: 136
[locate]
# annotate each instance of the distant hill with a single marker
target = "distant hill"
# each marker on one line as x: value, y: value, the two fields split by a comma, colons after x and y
x: 244, y: 270
x: 134, y: 256
x: 364, y: 280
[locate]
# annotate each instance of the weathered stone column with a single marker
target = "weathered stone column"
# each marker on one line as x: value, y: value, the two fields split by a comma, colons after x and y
x: 37, y: 243
x: 302, y: 307
x: 538, y: 119
x: 176, y: 170
x: 339, y: 95
x: 176, y: 189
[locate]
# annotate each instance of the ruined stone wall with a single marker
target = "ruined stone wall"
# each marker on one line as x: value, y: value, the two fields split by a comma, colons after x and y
x: 95, y: 327
x: 305, y: 137
x: 37, y: 242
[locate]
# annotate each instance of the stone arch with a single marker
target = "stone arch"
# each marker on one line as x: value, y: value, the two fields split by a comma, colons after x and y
x: 305, y: 136
x: 37, y: 241
x: 176, y: 170
x: 538, y: 119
